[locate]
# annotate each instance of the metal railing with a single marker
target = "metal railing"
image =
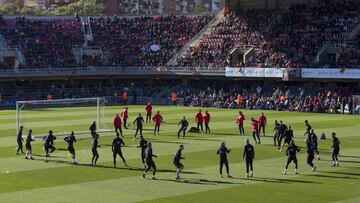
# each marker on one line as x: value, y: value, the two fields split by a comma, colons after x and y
x: 111, y: 71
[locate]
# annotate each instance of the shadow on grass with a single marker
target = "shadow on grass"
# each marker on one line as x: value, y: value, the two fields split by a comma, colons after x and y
x: 337, y: 177
x: 168, y: 142
x: 341, y: 173
x: 199, y: 181
x: 53, y: 156
x: 277, y: 180
x: 349, y: 156
x: 205, y: 139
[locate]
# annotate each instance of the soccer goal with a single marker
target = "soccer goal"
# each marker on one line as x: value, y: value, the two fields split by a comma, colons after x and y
x: 61, y: 115
x: 356, y: 104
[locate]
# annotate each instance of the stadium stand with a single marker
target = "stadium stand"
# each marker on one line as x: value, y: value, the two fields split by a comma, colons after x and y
x: 294, y: 40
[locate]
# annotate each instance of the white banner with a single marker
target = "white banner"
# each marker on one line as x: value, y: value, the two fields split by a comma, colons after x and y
x: 255, y: 72
x: 335, y: 73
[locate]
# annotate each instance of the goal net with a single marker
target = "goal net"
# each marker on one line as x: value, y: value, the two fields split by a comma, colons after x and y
x: 61, y: 115
x: 356, y: 104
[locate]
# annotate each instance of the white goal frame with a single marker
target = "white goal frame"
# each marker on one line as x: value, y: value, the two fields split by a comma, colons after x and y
x: 20, y: 105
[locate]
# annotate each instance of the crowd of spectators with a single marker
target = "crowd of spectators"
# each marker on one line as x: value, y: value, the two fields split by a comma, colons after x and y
x: 292, y: 39
x: 134, y: 41
x: 329, y: 98
x: 45, y: 43
x: 145, y: 41
x: 280, y: 37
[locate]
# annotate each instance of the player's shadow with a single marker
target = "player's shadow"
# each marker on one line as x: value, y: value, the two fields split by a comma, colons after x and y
x: 224, y: 134
x: 336, y: 177
x: 174, y: 171
x: 348, y: 156
x: 344, y: 161
x: 277, y: 180
x: 205, y: 139
x: 199, y: 181
x: 62, y: 149
x: 341, y: 173
x: 52, y: 156
x: 167, y: 142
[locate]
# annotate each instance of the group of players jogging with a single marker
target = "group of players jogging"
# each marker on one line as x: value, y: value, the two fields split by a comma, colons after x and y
x: 283, y: 135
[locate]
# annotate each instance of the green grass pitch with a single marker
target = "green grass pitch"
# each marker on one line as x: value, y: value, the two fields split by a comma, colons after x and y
x: 58, y: 181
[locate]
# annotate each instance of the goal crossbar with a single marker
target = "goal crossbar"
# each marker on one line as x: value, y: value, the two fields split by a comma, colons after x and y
x: 21, y: 104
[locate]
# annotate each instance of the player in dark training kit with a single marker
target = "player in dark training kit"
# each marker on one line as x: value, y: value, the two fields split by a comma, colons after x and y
x: 281, y: 133
x: 70, y: 141
x: 177, y: 163
x: 28, y: 145
x: 249, y: 155
x: 291, y: 154
x: 94, y: 147
x: 308, y: 128
x: 49, y: 145
x: 143, y: 145
x: 314, y: 141
x: 116, y: 149
x: 310, y: 148
x: 223, y: 151
x: 183, y: 126
x: 276, y: 134
x: 20, y: 140
x: 150, y: 164
x: 336, y: 149
x: 139, y: 125
x: 93, y: 129
x: 288, y: 136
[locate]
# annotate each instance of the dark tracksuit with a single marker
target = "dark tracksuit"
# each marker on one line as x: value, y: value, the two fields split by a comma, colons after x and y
x: 282, y: 130
x: 49, y: 141
x: 308, y: 129
x: 28, y: 143
x: 143, y: 146
x: 310, y: 151
x: 116, y: 148
x: 276, y: 134
x: 70, y: 140
x: 222, y: 151
x: 313, y: 140
x: 288, y: 136
x: 94, y: 150
x: 184, y: 124
x: 139, y: 125
x: 336, y: 149
x: 149, y: 160
x: 177, y: 158
x: 92, y: 129
x: 20, y: 142
x: 249, y: 154
x: 291, y: 153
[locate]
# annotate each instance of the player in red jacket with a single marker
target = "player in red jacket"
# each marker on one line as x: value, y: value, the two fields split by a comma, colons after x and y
x: 125, y: 116
x: 117, y: 125
x: 199, y: 121
x: 148, y: 110
x: 207, y: 121
x: 240, y: 122
x: 255, y: 130
x: 157, y: 119
x: 262, y: 123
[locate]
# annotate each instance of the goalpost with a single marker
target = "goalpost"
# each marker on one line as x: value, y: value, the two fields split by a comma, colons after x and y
x: 61, y: 115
